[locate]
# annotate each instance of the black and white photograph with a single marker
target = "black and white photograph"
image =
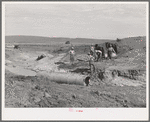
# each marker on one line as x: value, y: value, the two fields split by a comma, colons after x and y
x: 75, y: 56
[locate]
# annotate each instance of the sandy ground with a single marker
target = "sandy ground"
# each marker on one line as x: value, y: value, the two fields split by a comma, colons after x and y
x: 24, y: 88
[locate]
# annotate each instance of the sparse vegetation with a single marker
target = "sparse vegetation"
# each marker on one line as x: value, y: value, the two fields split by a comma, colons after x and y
x: 40, y: 57
x: 16, y: 47
x: 118, y: 40
x: 67, y: 42
x: 114, y: 83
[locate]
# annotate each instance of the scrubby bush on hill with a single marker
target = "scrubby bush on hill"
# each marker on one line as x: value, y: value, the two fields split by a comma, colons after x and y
x: 16, y: 46
x: 118, y: 40
x: 67, y: 42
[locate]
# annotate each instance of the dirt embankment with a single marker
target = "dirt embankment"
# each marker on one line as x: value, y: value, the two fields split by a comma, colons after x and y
x: 124, y: 88
x: 32, y: 91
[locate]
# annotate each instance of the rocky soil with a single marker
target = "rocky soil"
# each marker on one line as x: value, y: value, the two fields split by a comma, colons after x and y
x: 119, y: 82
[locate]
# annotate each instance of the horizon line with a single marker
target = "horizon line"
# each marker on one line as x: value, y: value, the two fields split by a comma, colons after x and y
x: 73, y: 37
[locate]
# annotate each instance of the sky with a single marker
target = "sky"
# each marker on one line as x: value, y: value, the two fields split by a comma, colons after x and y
x: 76, y: 20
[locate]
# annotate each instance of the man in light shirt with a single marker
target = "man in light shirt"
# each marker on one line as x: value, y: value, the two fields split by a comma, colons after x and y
x: 110, y: 51
x: 72, y: 54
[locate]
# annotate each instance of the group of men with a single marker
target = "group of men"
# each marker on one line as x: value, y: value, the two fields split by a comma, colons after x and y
x: 96, y: 53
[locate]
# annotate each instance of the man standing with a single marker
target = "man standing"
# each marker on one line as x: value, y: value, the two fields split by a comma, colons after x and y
x: 72, y: 54
x: 110, y: 51
x: 91, y: 60
x: 99, y: 52
x: 92, y: 49
x: 92, y: 52
x: 99, y: 55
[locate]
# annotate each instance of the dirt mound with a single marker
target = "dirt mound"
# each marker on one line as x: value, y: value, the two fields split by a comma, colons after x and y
x: 48, y: 63
x: 133, y: 43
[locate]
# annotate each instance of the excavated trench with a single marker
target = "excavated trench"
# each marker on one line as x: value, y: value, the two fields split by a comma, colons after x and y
x: 129, y: 77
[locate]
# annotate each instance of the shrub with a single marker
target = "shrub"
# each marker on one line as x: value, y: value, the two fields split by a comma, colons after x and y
x: 40, y: 57
x: 67, y: 42
x: 16, y: 46
x: 118, y: 40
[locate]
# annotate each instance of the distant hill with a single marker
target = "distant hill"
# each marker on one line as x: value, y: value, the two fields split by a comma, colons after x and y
x: 134, y: 42
x: 48, y: 40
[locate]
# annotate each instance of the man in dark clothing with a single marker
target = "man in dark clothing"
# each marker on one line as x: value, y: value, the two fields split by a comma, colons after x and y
x: 115, y: 47
x: 107, y: 44
x: 99, y: 51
